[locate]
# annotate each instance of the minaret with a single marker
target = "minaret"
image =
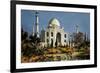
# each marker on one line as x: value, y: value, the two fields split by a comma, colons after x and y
x: 33, y: 30
x: 77, y: 28
x: 85, y: 37
x: 36, y: 24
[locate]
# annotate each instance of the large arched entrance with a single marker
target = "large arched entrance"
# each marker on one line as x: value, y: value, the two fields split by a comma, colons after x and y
x: 58, y: 39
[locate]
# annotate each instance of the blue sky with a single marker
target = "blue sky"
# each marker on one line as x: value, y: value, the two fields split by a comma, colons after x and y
x: 68, y: 20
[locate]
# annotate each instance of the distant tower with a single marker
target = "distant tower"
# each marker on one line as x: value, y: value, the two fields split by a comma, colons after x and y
x: 37, y: 24
x: 85, y: 37
x: 33, y: 30
x: 77, y: 28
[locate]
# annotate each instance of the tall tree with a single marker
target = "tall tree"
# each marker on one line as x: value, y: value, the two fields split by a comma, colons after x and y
x: 78, y: 38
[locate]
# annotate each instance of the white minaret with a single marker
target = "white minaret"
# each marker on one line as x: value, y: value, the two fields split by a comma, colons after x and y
x: 37, y: 24
x: 33, y: 30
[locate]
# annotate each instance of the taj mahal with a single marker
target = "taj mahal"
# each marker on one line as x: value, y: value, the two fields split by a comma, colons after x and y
x: 53, y: 35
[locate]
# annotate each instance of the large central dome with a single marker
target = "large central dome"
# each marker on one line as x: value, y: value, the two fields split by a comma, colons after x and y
x: 54, y: 22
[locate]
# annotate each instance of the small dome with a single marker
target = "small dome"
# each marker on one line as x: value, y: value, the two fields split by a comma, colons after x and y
x: 54, y: 22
